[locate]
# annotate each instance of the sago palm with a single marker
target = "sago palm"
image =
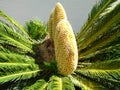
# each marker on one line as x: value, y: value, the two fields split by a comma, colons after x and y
x: 41, y: 56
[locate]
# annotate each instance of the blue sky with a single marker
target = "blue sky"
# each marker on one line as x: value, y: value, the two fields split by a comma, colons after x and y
x: 24, y: 10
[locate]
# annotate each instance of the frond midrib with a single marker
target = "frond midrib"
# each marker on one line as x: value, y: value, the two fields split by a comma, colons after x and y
x: 60, y: 81
x: 94, y: 18
x: 15, y: 64
x: 19, y: 74
x: 88, y: 55
x: 93, y: 38
x: 16, y: 42
x: 13, y: 22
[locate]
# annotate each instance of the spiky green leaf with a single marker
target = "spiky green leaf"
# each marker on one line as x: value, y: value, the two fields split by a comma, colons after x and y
x: 9, y: 36
x: 96, y: 12
x: 106, y: 73
x: 101, y: 26
x: 36, y: 29
x: 12, y: 21
x: 38, y: 85
x: 86, y: 84
x: 17, y: 71
x: 60, y: 83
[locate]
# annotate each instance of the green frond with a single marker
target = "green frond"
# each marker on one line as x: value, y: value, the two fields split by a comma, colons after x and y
x: 110, y: 37
x: 106, y: 73
x: 17, y: 71
x: 36, y: 30
x: 104, y: 77
x: 99, y: 31
x: 9, y: 36
x: 110, y: 52
x: 86, y: 84
x: 67, y: 84
x: 105, y: 65
x: 15, y: 58
x: 107, y: 41
x: 60, y: 83
x: 55, y: 83
x: 101, y: 26
x: 38, y: 85
x: 15, y: 67
x: 96, y: 12
x: 12, y: 21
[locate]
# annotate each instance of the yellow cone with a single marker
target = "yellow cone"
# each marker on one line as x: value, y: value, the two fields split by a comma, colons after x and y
x: 61, y: 33
x: 65, y: 48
